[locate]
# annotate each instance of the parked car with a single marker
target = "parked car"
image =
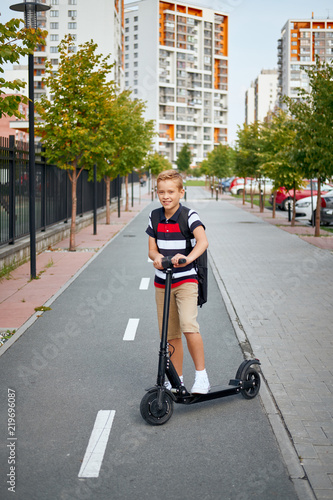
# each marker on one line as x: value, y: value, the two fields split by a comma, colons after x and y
x: 326, y: 211
x: 238, y: 181
x: 225, y: 183
x: 283, y: 196
x: 305, y: 209
x: 256, y: 187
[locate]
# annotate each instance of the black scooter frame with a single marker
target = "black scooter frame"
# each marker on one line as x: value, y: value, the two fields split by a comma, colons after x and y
x: 157, y: 405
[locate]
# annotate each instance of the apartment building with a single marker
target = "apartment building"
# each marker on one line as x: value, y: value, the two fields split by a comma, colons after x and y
x: 176, y: 59
x: 101, y: 21
x: 301, y: 41
x: 261, y: 97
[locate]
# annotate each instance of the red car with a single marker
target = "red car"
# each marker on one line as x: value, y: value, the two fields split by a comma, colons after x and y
x: 238, y: 180
x: 283, y: 196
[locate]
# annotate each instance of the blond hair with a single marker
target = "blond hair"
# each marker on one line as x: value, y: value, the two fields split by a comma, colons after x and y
x: 171, y: 175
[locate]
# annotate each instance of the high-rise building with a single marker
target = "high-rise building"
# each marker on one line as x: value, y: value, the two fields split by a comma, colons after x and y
x: 301, y: 41
x: 101, y: 21
x: 261, y: 97
x: 249, y: 105
x: 176, y: 59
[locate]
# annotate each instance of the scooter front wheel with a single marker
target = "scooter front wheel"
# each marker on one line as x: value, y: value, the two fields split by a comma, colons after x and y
x: 152, y: 412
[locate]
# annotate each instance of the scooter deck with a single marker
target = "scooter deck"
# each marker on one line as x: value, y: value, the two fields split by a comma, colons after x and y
x: 214, y: 393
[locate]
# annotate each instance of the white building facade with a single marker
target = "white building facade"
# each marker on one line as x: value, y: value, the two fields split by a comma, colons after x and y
x: 261, y: 97
x: 101, y: 21
x: 176, y: 59
x: 301, y: 41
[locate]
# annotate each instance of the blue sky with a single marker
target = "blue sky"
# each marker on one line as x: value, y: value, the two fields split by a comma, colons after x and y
x: 254, y: 29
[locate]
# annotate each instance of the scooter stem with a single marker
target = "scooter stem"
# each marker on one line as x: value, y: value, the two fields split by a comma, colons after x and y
x: 163, y: 344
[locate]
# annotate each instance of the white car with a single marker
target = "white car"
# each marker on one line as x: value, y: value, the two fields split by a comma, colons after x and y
x: 304, y: 206
x: 239, y: 188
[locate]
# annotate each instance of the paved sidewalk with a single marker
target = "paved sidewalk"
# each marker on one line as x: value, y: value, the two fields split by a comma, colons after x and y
x: 280, y: 290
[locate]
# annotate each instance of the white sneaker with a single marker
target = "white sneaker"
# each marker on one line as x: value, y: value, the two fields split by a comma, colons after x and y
x: 201, y: 383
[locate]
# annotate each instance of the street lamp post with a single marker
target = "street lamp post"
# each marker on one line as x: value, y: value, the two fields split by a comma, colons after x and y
x: 30, y: 10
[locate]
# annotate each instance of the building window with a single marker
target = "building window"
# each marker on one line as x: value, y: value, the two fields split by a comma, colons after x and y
x: 72, y: 26
x: 54, y: 26
x: 72, y: 2
x: 126, y: 65
x: 135, y: 64
x: 55, y: 2
x: 135, y: 82
x: 136, y: 45
x: 136, y: 27
x: 53, y: 50
x: 54, y: 13
x: 126, y: 30
x: 72, y: 13
x: 126, y: 56
x: 126, y: 47
x: 126, y: 20
x: 54, y: 38
x: 135, y: 54
x: 126, y: 38
x: 135, y: 37
x: 136, y: 19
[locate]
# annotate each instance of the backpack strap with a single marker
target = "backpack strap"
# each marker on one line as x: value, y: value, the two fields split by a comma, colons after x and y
x: 183, y: 225
x: 155, y: 218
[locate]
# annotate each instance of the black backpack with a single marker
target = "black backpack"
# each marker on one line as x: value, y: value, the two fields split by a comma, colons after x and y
x: 200, y: 263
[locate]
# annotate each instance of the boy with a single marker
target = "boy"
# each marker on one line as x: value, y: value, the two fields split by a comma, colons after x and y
x: 169, y: 241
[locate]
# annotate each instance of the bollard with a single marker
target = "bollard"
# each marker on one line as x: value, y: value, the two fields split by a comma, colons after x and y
x: 289, y: 211
x: 212, y: 191
x: 185, y: 194
x: 217, y: 194
x: 152, y: 195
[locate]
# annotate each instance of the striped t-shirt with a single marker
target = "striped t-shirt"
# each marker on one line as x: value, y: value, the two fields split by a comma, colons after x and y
x: 170, y: 241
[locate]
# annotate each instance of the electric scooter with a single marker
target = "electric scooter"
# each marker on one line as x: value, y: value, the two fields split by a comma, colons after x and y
x: 157, y: 404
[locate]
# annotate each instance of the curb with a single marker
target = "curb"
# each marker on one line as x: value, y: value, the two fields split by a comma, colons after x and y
x: 296, y: 471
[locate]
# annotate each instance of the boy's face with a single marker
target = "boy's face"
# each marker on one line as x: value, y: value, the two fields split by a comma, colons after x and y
x: 169, y: 195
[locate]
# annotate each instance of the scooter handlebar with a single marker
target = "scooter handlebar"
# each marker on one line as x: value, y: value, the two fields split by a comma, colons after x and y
x: 167, y: 262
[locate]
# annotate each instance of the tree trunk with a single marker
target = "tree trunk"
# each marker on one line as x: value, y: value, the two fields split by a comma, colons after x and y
x: 107, y: 181
x: 73, y: 180
x: 127, y: 197
x: 244, y: 191
x: 251, y: 193
x: 317, y: 226
x: 274, y: 205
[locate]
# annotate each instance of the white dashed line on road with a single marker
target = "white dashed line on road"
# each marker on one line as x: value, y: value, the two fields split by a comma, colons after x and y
x: 93, y: 457
x: 131, y: 328
x: 144, y: 284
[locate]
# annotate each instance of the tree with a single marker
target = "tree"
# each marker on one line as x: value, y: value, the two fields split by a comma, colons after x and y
x: 313, y: 118
x: 10, y: 52
x: 246, y: 164
x: 129, y: 139
x: 184, y: 159
x: 276, y: 154
x: 73, y: 127
x: 156, y: 163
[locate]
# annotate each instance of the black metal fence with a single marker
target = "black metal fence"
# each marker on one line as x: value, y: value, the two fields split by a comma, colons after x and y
x: 53, y: 191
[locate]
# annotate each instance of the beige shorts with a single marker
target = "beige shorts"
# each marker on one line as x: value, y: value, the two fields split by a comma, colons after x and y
x: 183, y: 309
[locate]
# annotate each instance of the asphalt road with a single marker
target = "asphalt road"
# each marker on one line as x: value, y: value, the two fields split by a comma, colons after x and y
x: 74, y: 362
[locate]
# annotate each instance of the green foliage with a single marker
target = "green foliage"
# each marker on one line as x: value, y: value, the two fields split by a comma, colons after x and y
x: 73, y: 127
x: 184, y: 159
x: 247, y: 162
x: 157, y: 163
x: 313, y: 119
x: 276, y: 152
x: 128, y: 136
x: 220, y: 162
x: 15, y: 42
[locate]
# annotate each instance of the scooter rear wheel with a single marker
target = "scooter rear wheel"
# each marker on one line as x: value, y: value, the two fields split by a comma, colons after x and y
x: 150, y: 411
x: 250, y: 375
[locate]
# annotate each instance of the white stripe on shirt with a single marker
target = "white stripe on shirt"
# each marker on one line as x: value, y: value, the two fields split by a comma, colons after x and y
x: 171, y: 244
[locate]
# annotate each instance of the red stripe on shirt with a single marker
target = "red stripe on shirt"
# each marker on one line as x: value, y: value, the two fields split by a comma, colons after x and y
x: 168, y: 228
x: 191, y: 280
